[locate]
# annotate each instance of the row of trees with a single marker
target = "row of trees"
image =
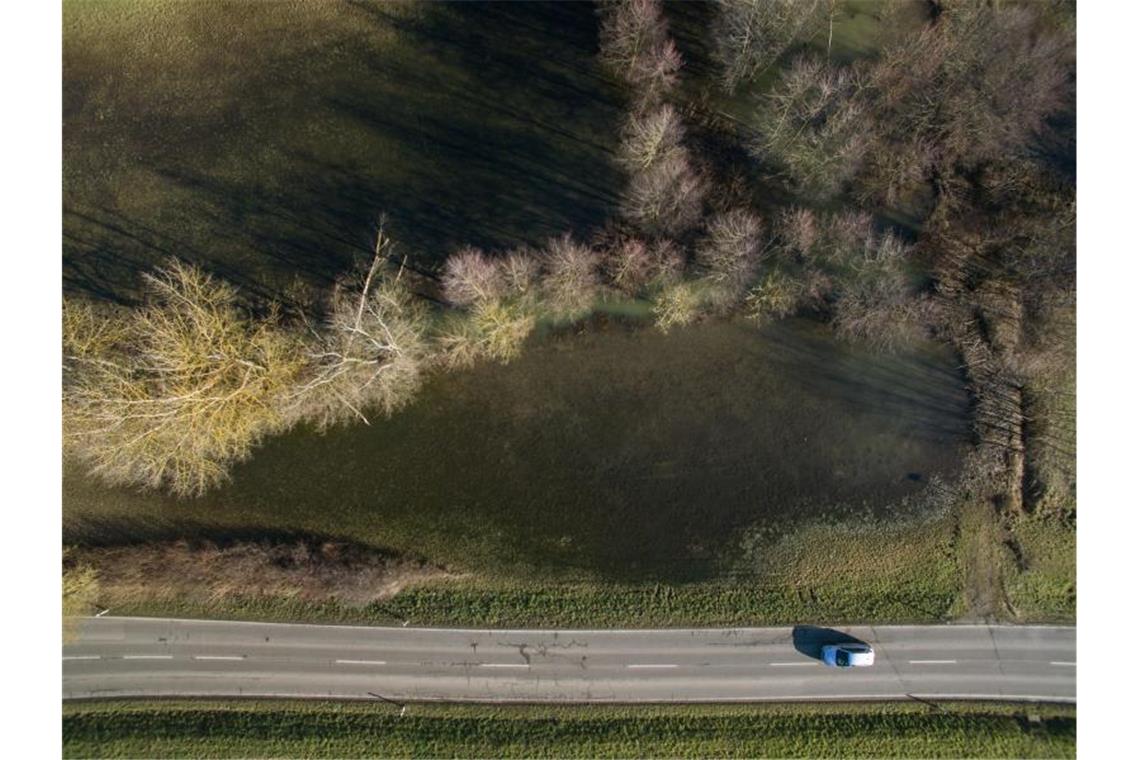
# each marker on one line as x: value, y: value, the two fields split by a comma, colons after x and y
x: 172, y: 393
x: 665, y: 203
x: 729, y: 255
x: 666, y: 190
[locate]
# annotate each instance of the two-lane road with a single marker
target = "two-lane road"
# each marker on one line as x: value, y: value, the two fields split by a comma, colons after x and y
x: 142, y: 657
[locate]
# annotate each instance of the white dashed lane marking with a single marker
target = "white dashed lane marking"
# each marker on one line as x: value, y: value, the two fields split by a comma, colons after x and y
x: 503, y: 665
x: 651, y: 665
x: 361, y: 662
x: 218, y: 657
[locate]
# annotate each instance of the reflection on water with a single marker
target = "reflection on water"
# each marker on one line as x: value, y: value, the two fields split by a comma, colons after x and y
x: 614, y: 452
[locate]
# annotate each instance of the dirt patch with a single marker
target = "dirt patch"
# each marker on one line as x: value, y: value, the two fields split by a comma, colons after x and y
x: 206, y: 571
x: 986, y: 561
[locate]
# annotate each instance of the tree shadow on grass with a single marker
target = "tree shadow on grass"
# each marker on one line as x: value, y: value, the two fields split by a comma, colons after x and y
x: 487, y: 124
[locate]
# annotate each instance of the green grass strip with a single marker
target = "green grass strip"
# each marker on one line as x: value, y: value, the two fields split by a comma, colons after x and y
x: 320, y: 729
x: 588, y: 605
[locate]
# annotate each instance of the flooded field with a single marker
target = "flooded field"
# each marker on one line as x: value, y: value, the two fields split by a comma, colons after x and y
x: 613, y: 453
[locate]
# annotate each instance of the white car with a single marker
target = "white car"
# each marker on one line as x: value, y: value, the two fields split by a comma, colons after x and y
x: 848, y: 655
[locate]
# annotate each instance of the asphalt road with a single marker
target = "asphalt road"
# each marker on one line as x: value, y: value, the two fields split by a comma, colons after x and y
x: 141, y: 657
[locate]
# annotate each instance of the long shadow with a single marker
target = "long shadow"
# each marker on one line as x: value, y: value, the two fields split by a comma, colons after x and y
x: 888, y: 386
x: 488, y: 124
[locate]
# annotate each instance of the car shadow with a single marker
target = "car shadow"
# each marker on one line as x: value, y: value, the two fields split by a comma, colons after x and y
x: 810, y: 639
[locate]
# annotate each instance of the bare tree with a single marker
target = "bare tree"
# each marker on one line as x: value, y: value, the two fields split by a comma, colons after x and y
x: 470, y: 276
x: 649, y: 137
x: 494, y: 330
x: 172, y: 393
x: 777, y: 295
x: 520, y: 272
x: 876, y: 303
x: 630, y: 28
x: 628, y: 265
x: 845, y: 236
x: 570, y: 277
x: 667, y: 262
x: 370, y: 351
x: 635, y: 46
x: 797, y: 230
x: 667, y: 198
x: 499, y: 314
x: 729, y: 253
x: 814, y: 126
x: 975, y: 86
x: 656, y: 74
x: 676, y: 305
x: 750, y: 35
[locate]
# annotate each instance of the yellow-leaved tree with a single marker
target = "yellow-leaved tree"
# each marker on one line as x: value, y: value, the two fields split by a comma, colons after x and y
x: 170, y: 394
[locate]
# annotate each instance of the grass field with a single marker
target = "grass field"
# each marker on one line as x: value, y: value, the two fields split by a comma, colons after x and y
x: 854, y: 572
x: 614, y: 455
x: 262, y: 140
x: 266, y: 729
x: 551, y: 544
x: 714, y: 475
x: 1045, y: 588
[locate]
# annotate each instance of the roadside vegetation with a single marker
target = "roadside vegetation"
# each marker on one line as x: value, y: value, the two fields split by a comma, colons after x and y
x: 909, y: 575
x: 80, y: 590
x: 920, y: 190
x: 315, y: 729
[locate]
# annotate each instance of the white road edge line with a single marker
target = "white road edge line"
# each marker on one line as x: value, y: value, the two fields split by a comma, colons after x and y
x: 1070, y: 664
x: 653, y: 665
x: 219, y: 657
x: 361, y: 662
x: 357, y: 697
x: 81, y: 657
x: 503, y: 665
x: 148, y: 657
x: 619, y: 631
x: 933, y: 662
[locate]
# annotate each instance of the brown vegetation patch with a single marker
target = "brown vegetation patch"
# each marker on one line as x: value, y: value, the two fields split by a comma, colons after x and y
x: 207, y: 571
